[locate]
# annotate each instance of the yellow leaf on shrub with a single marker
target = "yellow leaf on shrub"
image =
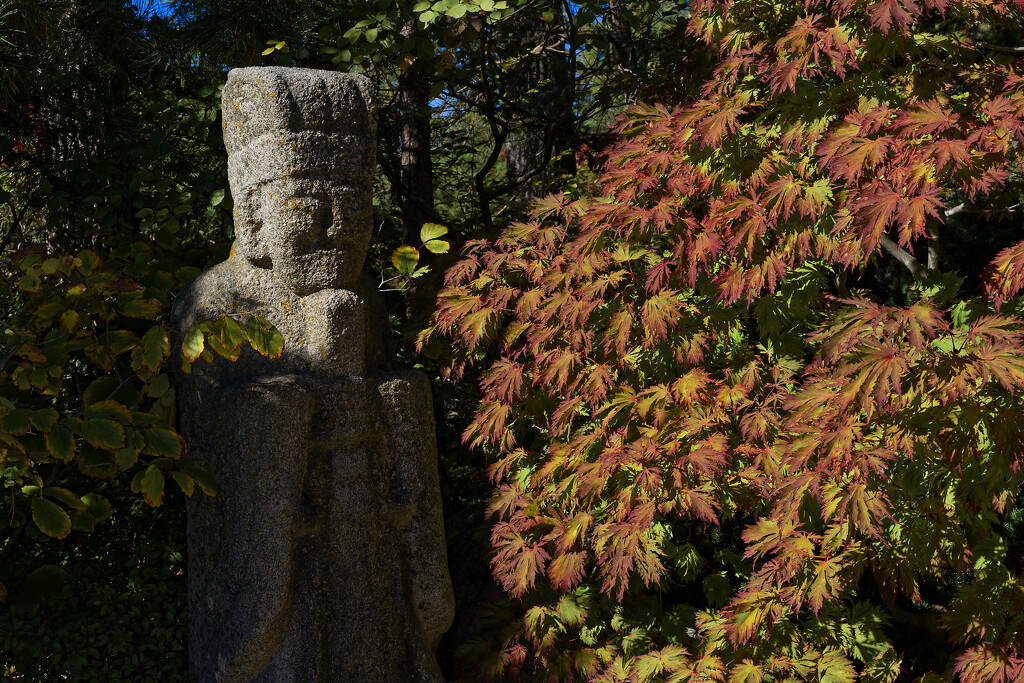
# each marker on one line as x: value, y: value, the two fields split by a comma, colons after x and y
x: 50, y: 518
x: 152, y: 486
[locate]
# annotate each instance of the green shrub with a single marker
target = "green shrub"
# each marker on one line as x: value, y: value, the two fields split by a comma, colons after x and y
x: 117, y: 611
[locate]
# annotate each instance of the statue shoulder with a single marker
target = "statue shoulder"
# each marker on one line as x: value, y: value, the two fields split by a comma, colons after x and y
x: 222, y: 289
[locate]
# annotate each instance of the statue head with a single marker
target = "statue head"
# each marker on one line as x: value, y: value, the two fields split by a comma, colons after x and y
x: 301, y: 153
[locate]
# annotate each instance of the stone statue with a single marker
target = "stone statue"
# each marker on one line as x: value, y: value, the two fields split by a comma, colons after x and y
x: 323, y: 556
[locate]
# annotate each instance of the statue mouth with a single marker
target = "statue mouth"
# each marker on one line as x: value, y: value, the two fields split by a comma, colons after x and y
x: 331, y: 266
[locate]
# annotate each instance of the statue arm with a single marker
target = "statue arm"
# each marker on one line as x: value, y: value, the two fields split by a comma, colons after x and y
x: 413, y: 445
x: 242, y: 543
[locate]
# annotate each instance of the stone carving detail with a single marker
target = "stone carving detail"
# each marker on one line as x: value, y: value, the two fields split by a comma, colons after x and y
x: 323, y: 558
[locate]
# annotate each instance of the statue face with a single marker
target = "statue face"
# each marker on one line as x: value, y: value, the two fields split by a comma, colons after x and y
x: 313, y: 233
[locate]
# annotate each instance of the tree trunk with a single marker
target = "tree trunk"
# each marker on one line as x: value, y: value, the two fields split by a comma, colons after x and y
x: 416, y: 171
x: 624, y: 56
x: 542, y: 84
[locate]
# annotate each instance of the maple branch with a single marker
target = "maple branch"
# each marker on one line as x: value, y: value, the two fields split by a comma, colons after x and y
x: 964, y: 207
x: 959, y: 208
x: 903, y: 256
x: 840, y: 282
x: 991, y: 212
x: 925, y: 622
x: 999, y: 48
x: 932, y: 230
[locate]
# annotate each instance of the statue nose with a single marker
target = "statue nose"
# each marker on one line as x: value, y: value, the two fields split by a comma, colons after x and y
x: 311, y: 223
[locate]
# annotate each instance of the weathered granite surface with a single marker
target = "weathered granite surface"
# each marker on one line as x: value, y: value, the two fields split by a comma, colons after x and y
x: 323, y: 556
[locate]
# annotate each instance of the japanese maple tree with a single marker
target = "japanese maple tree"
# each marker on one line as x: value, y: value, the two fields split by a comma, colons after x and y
x: 721, y: 451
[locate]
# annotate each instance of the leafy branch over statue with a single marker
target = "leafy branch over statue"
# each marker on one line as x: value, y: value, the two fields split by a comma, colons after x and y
x: 84, y: 389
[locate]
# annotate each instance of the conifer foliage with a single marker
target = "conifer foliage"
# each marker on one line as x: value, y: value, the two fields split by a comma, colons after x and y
x: 716, y: 458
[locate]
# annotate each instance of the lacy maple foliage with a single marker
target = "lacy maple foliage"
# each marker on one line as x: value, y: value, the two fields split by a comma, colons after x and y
x: 713, y: 461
